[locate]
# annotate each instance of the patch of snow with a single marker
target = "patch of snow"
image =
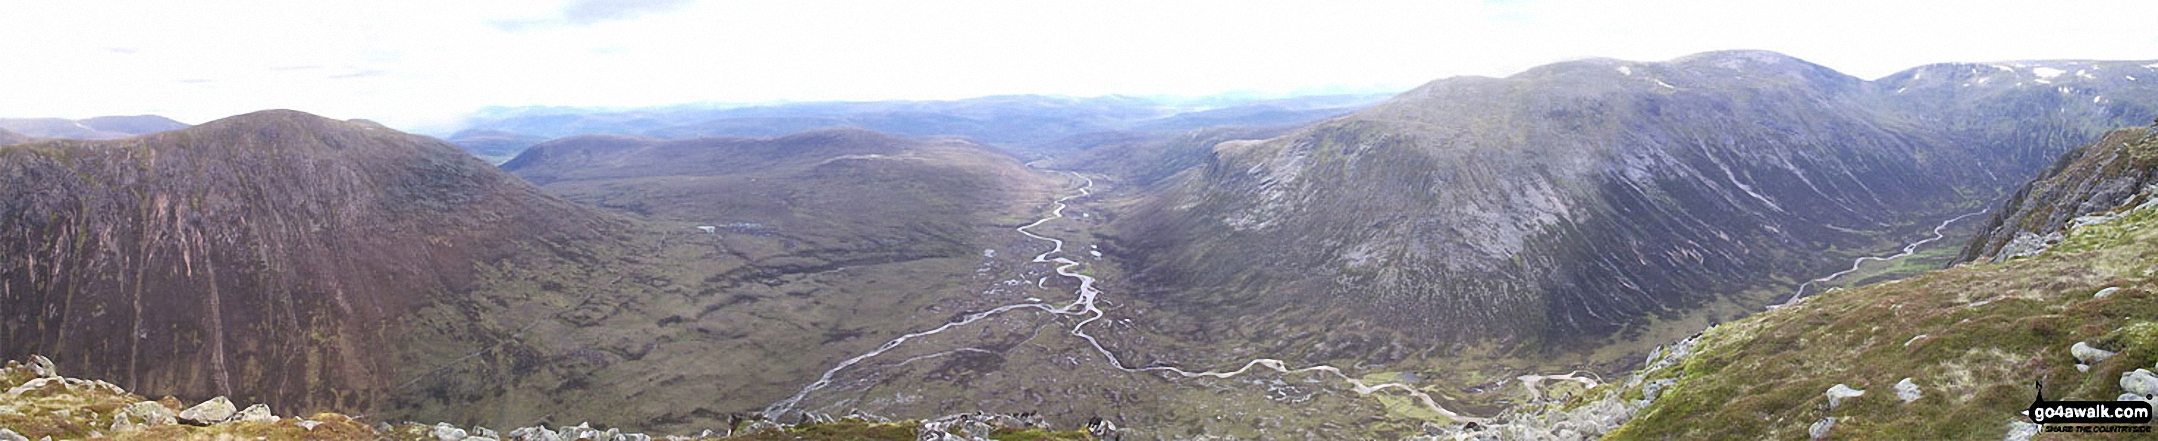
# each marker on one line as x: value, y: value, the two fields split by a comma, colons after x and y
x: 2006, y: 68
x: 1666, y: 85
x: 1627, y: 71
x: 2047, y: 72
x: 2041, y: 81
x: 2130, y: 77
x: 2098, y: 99
x: 2151, y: 66
x: 1900, y: 90
x: 2086, y: 74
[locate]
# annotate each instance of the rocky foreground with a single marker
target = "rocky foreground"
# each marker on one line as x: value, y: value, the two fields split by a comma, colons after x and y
x: 40, y: 404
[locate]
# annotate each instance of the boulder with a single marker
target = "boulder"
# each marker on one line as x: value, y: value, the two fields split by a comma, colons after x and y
x: 43, y: 367
x: 1839, y: 392
x: 2105, y: 292
x: 1819, y: 429
x: 35, y: 384
x: 2020, y: 431
x: 149, y: 413
x: 10, y: 435
x: 213, y: 411
x: 121, y: 424
x: 2089, y: 355
x: 2139, y: 382
x: 447, y: 432
x: 534, y: 434
x: 1907, y: 390
x: 259, y: 413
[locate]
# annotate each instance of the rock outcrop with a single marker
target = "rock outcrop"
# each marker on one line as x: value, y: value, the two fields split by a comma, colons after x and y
x: 2078, y: 190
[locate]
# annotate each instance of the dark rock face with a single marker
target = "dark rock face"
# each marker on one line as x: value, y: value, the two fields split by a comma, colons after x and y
x: 1576, y: 198
x: 2089, y: 180
x: 264, y: 256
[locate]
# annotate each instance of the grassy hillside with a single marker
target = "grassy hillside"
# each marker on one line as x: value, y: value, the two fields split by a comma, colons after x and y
x: 1973, y: 338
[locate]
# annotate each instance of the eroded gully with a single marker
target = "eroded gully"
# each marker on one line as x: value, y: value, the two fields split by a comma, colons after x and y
x: 1084, y: 305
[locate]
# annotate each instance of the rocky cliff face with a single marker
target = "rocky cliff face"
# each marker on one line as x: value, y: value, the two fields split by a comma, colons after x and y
x: 2079, y: 189
x: 1574, y: 199
x: 265, y: 256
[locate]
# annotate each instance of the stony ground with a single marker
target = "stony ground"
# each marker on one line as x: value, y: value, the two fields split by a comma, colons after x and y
x: 40, y: 404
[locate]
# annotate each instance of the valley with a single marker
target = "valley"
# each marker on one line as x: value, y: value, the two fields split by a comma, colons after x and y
x: 1593, y: 247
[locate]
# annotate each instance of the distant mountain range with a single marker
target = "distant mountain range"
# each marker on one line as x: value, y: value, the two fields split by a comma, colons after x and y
x: 1022, y: 121
x: 104, y: 127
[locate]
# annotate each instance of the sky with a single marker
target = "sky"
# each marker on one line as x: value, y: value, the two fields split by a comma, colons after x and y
x: 426, y: 65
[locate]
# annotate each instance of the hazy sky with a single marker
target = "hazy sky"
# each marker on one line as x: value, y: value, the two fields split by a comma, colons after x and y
x: 416, y: 64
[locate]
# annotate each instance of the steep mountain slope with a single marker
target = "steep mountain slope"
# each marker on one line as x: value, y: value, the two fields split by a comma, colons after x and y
x: 1950, y: 354
x: 1559, y: 203
x: 2086, y: 181
x: 103, y: 127
x: 2022, y: 115
x: 263, y: 256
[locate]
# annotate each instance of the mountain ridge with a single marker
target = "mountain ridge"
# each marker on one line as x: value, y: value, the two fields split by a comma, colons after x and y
x: 278, y: 245
x: 1704, y: 168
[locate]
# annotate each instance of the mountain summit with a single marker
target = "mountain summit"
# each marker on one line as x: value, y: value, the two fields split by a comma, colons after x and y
x: 261, y: 256
x: 1577, y: 199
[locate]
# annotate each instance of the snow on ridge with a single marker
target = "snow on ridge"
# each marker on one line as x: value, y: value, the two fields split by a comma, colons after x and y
x: 2047, y: 72
x: 1627, y: 71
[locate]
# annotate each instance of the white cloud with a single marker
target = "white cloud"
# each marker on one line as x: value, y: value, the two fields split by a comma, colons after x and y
x: 416, y: 63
